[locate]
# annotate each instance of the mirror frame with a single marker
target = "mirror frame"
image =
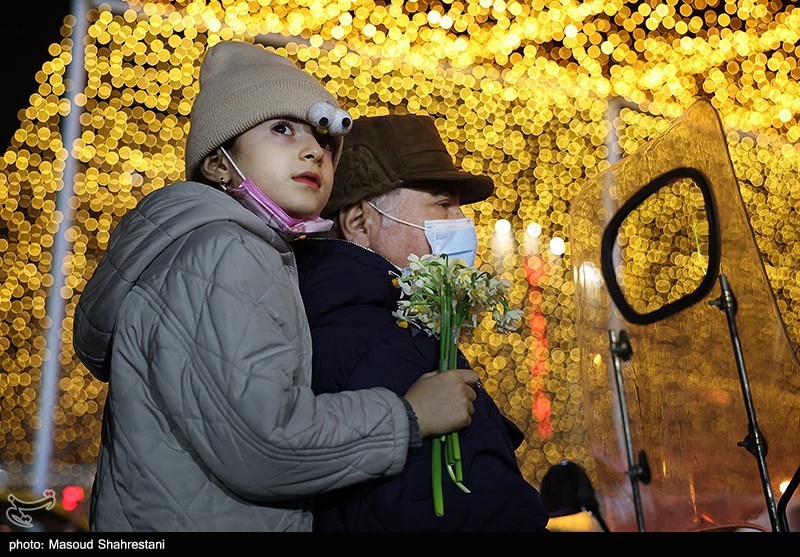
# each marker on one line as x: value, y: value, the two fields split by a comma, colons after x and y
x: 611, y: 233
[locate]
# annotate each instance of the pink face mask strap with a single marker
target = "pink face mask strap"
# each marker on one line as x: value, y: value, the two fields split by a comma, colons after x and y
x: 230, y: 160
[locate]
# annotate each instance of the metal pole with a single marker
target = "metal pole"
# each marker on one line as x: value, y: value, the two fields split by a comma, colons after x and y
x: 620, y: 350
x: 56, y: 304
x: 754, y: 442
x: 51, y: 371
x: 615, y: 106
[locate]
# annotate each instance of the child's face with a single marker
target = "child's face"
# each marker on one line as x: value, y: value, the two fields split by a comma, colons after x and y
x: 290, y: 162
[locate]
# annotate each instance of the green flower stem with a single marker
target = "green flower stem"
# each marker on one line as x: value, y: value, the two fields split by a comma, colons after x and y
x: 455, y: 448
x: 430, y: 287
x: 437, y: 448
x: 444, y: 331
x: 460, y: 485
x: 436, y: 475
x: 448, y: 359
x: 452, y: 443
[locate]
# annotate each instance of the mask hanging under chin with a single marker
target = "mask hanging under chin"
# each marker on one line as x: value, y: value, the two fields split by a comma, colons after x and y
x: 251, y: 197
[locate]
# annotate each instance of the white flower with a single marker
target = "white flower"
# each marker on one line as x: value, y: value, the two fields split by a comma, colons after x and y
x: 435, y: 290
x: 433, y: 284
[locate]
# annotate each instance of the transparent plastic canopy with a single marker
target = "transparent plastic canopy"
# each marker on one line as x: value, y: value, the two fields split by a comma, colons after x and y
x: 683, y: 389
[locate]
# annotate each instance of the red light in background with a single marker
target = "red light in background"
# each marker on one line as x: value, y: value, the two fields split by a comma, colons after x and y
x: 71, y: 496
x: 537, y: 273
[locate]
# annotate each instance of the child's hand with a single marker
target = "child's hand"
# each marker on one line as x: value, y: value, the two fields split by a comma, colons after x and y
x: 442, y: 401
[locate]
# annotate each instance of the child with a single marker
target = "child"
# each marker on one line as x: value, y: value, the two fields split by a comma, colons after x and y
x: 194, y: 318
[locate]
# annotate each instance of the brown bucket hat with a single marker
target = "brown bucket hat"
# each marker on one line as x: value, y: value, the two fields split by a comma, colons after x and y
x: 399, y: 150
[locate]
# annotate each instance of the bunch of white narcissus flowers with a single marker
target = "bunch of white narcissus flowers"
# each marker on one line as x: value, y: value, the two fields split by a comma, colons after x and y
x: 433, y: 285
x: 442, y: 295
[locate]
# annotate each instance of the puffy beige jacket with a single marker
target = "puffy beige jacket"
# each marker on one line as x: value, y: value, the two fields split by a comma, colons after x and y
x: 194, y: 318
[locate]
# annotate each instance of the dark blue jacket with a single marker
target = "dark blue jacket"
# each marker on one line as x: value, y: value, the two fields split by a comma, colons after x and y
x: 349, y: 297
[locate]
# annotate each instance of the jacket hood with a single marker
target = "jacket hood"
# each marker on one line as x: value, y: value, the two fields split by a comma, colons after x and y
x: 356, y: 275
x: 141, y: 235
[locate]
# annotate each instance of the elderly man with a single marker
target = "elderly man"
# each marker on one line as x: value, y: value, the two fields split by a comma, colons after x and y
x: 397, y: 192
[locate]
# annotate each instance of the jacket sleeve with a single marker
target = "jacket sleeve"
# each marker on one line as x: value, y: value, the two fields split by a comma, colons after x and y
x: 228, y: 358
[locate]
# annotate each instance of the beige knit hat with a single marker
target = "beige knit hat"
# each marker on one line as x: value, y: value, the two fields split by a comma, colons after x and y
x: 242, y: 85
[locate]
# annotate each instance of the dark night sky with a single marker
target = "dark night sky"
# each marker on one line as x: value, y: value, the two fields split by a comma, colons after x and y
x: 30, y: 26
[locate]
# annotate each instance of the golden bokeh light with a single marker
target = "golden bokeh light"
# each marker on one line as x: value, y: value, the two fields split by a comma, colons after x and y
x: 528, y: 92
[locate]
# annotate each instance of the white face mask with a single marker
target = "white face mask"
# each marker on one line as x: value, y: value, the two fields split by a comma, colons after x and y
x: 249, y: 195
x: 451, y: 237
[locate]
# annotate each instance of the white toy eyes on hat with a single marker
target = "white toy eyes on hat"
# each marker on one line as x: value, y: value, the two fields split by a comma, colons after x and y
x: 327, y: 117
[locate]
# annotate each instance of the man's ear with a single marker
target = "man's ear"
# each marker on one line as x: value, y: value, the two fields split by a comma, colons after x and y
x: 354, y: 223
x: 217, y: 168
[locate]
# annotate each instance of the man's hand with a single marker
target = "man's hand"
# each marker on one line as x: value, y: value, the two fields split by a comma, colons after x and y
x: 442, y: 401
